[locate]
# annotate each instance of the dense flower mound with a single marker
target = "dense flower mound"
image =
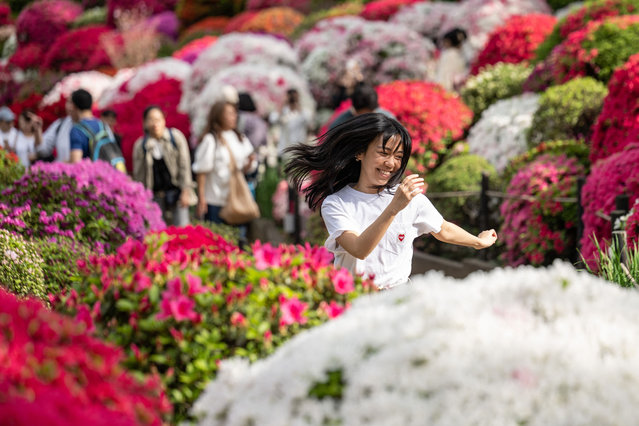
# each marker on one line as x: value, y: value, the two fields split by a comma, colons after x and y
x: 52, y: 372
x: 238, y: 21
x: 617, y: 125
x: 382, y: 10
x: 10, y: 168
x: 94, y: 82
x: 150, y: 7
x: 324, y: 33
x: 515, y: 41
x: 433, y: 117
x: 213, y: 25
x: 579, y: 18
x: 27, y: 56
x: 427, y: 18
x: 568, y: 111
x: 190, y: 51
x: 493, y: 83
x: 234, y: 49
x: 384, y: 51
x: 90, y: 202
x: 500, y: 134
x: 165, y: 92
x: 310, y: 21
x: 280, y: 21
x: 299, y: 5
x: 540, y: 229
x: 597, y: 49
x: 42, y: 22
x: 78, y: 50
x: 179, y: 309
x: 494, y: 348
x: 609, y: 177
x: 20, y: 266
x: 266, y: 84
x: 5, y: 15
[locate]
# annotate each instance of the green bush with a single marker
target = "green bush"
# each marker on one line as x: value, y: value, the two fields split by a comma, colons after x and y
x: 94, y: 16
x: 615, y: 43
x: 20, y: 266
x: 567, y: 111
x: 60, y: 257
x: 493, y: 83
x: 344, y: 9
x: 10, y: 168
x: 559, y: 4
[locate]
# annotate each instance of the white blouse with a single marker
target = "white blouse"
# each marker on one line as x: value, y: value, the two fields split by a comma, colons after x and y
x: 213, y: 159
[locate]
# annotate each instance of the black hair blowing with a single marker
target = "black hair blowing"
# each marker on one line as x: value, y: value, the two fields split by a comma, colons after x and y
x: 333, y: 156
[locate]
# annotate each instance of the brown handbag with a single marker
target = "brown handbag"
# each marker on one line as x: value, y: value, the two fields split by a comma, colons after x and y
x: 240, y: 206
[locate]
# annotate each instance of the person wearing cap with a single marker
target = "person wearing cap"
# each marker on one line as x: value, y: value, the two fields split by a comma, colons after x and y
x: 8, y: 133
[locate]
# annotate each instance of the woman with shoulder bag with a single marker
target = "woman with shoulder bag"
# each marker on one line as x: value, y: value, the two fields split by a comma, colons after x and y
x: 222, y: 158
x: 162, y: 163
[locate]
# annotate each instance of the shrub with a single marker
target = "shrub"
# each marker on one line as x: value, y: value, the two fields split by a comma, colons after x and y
x: 345, y: 9
x: 90, y: 202
x: 382, y: 10
x: 190, y: 11
x: 52, y: 372
x: 427, y: 18
x: 20, y: 266
x: 617, y: 125
x: 213, y: 25
x: 275, y: 20
x: 299, y: 5
x: 539, y: 229
x: 27, y: 56
x: 94, y: 16
x: 10, y: 168
x: 190, y: 51
x: 238, y: 21
x: 515, y: 41
x: 60, y: 256
x: 180, y: 311
x: 609, y: 177
x: 418, y: 347
x: 42, y: 22
x: 493, y: 83
x: 78, y: 50
x: 568, y: 111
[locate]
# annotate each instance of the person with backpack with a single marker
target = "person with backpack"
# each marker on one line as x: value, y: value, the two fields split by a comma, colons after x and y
x: 162, y: 163
x: 90, y: 137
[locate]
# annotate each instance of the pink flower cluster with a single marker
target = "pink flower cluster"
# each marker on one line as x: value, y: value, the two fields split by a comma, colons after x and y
x: 614, y: 175
x: 52, y: 372
x: 42, y: 22
x: 78, y: 50
x: 190, y: 51
x: 382, y: 10
x: 632, y: 227
x: 539, y: 230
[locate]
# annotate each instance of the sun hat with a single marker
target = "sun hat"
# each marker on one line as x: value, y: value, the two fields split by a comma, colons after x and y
x: 6, y: 114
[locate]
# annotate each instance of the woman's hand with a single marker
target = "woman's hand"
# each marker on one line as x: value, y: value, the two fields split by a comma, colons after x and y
x: 201, y: 208
x: 487, y: 238
x: 406, y: 191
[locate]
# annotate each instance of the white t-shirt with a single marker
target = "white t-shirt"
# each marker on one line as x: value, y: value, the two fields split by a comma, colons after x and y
x: 57, y: 136
x: 7, y: 139
x: 214, y: 160
x: 390, y: 262
x: 24, y: 146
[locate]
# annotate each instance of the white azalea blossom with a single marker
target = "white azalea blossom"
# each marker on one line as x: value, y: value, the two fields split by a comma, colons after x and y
x: 529, y: 346
x: 500, y: 133
x: 94, y: 82
x: 427, y: 18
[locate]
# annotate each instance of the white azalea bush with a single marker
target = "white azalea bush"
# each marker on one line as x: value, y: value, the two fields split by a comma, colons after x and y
x: 324, y: 34
x: 427, y: 18
x: 514, y: 346
x: 259, y: 50
x: 94, y: 82
x: 266, y: 84
x: 500, y: 134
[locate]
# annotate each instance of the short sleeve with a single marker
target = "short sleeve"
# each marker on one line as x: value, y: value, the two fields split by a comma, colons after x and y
x: 79, y: 141
x: 204, y: 157
x: 337, y: 221
x: 428, y: 219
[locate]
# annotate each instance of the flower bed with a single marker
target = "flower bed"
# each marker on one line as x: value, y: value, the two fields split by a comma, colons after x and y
x: 180, y: 311
x: 90, y: 202
x: 78, y: 50
x: 496, y: 348
x: 280, y: 21
x: 42, y: 22
x: 617, y: 126
x: 568, y: 111
x: 609, y: 177
x: 515, y: 41
x: 382, y: 10
x: 20, y: 267
x: 500, y: 134
x: 538, y: 231
x: 52, y: 372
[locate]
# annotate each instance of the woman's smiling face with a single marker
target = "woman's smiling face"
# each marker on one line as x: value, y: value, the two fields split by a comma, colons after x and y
x: 379, y: 163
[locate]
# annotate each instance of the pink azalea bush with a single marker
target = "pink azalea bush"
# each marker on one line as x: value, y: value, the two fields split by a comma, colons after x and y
x: 78, y: 50
x: 179, y: 310
x: 538, y: 230
x: 382, y: 10
x: 42, y: 22
x: 5, y: 15
x: 89, y: 202
x: 609, y: 177
x: 632, y: 226
x: 190, y: 51
x: 148, y: 7
x: 52, y: 372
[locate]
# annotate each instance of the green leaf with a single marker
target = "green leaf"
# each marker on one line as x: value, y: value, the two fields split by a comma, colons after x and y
x: 125, y: 305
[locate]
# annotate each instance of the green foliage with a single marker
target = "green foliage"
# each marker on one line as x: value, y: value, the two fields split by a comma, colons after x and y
x: 191, y: 11
x: 60, y: 257
x: 347, y: 8
x: 567, y: 111
x: 10, y: 168
x: 264, y: 191
x: 553, y: 39
x: 316, y: 229
x: 493, y: 83
x: 616, y: 264
x: 20, y: 266
x: 614, y: 44
x: 558, y: 4
x: 94, y: 16
x: 332, y: 387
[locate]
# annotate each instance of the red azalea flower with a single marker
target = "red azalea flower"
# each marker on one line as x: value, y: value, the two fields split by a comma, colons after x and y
x: 342, y: 281
x: 266, y: 256
x: 382, y: 10
x: 78, y: 50
x: 292, y: 311
x: 238, y: 21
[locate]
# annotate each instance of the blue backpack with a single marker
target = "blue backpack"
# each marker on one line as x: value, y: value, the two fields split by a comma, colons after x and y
x: 102, y: 146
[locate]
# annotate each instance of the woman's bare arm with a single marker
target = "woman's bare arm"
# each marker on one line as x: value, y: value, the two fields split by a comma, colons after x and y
x: 453, y: 234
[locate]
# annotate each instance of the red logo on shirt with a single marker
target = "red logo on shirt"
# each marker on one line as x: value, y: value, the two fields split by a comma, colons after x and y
x: 401, y: 237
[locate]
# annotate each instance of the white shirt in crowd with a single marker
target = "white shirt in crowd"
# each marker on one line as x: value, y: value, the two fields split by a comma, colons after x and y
x: 213, y: 159
x: 57, y: 136
x: 23, y: 146
x: 7, y: 139
x: 390, y: 262
x: 294, y: 127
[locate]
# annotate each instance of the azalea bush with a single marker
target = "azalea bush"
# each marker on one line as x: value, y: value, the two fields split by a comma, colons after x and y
x: 494, y: 348
x: 427, y: 18
x: 116, y: 8
x: 20, y: 266
x: 192, y: 50
x: 500, y: 134
x: 181, y: 301
x: 213, y: 25
x: 275, y: 20
x: 433, y: 117
x: 42, y: 22
x: 617, y: 125
x: 90, y: 202
x: 190, y: 11
x: 92, y: 81
x: 93, y: 16
x: 382, y: 10
x: 10, y: 168
x: 26, y: 57
x: 78, y: 50
x: 52, y: 372
x: 60, y: 256
x: 515, y: 41
x: 568, y: 111
x: 350, y: 8
x: 614, y: 175
x: 493, y: 83
x: 238, y: 21
x: 299, y: 5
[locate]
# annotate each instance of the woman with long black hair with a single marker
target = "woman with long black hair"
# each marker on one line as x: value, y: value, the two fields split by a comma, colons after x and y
x: 372, y: 212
